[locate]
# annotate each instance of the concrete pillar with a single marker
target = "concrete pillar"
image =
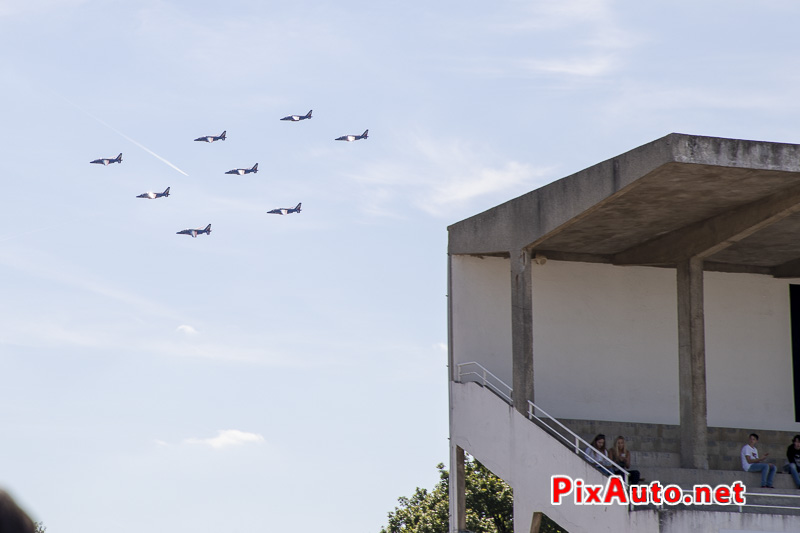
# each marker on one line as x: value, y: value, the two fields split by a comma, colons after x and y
x: 521, y: 330
x: 458, y: 490
x: 692, y: 365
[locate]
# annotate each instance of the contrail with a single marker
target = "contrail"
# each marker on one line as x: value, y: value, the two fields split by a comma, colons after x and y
x: 115, y: 130
x: 140, y: 146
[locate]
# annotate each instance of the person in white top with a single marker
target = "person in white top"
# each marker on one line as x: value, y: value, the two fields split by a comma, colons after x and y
x: 751, y: 462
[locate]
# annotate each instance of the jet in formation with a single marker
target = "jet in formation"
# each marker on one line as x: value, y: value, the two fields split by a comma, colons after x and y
x: 297, y: 118
x: 285, y: 210
x: 195, y: 232
x: 108, y: 161
x: 242, y: 171
x: 212, y: 138
x: 153, y: 195
x: 351, y: 138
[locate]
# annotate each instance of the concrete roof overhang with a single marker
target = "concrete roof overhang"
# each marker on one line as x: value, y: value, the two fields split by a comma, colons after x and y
x: 733, y: 203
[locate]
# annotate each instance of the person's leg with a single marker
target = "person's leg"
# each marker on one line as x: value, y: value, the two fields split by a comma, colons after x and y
x: 771, y: 476
x: 760, y: 467
x: 792, y: 468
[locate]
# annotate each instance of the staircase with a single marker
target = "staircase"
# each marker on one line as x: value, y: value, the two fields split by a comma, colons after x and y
x: 656, y: 454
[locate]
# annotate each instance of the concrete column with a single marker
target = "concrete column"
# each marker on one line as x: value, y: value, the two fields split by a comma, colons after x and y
x: 521, y: 330
x: 458, y: 490
x: 692, y: 365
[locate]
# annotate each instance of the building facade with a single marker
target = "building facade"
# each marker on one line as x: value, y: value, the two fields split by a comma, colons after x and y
x: 651, y: 294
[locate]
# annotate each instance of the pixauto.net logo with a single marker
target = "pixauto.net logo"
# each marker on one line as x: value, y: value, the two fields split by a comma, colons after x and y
x: 615, y: 491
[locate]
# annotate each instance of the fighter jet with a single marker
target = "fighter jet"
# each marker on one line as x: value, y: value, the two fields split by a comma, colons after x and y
x: 351, y: 138
x: 153, y: 195
x: 285, y: 210
x: 195, y: 232
x: 212, y: 138
x: 297, y: 118
x: 242, y: 171
x: 108, y: 161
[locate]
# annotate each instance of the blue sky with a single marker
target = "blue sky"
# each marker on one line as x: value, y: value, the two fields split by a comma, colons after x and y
x: 290, y: 372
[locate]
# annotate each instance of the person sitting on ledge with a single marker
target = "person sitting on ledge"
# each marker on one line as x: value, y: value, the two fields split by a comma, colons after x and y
x: 751, y: 462
x: 598, y: 452
x: 622, y: 456
x: 793, y: 456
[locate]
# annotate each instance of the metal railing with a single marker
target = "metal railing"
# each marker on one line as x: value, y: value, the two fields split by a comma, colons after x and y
x: 475, y: 372
x: 770, y: 495
x: 575, y: 442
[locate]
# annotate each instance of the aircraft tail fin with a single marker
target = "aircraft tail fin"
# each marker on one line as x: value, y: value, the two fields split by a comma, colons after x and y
x: 309, y: 114
x: 118, y: 159
x: 298, y: 207
x: 222, y: 135
x: 255, y: 168
x: 366, y: 132
x: 166, y: 192
x: 208, y: 229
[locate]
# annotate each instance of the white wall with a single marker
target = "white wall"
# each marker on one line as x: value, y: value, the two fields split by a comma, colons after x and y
x: 748, y: 352
x: 606, y: 345
x: 481, y: 312
x: 523, y: 455
x: 605, y: 342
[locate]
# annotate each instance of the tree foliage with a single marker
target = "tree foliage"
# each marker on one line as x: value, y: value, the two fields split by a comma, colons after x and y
x: 490, y: 505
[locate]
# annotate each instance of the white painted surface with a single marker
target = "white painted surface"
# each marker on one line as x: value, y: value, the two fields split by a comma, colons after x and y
x: 605, y: 342
x: 749, y: 352
x: 516, y: 450
x: 606, y: 345
x: 481, y: 313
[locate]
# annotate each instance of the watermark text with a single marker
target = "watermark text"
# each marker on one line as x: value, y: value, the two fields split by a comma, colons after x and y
x: 616, y: 492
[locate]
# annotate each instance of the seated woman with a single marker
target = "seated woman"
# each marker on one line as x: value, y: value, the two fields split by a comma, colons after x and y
x: 598, y: 452
x: 622, y: 456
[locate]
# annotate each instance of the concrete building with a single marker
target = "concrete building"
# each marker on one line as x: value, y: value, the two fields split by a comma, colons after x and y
x: 651, y: 296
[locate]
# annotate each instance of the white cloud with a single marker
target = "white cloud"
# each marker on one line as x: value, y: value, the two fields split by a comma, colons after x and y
x: 590, y: 66
x: 442, y: 346
x: 439, y: 177
x: 227, y: 438
x: 560, y: 15
x: 186, y: 330
x: 596, y: 45
x: 16, y: 7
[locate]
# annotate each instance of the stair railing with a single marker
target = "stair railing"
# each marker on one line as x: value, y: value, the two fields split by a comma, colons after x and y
x: 476, y: 373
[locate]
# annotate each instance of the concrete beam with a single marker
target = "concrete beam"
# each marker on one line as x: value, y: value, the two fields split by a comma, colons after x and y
x: 521, y: 330
x: 790, y: 269
x: 707, y: 237
x: 692, y: 365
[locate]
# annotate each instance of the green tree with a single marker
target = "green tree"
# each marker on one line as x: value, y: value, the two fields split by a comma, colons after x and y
x: 490, y: 505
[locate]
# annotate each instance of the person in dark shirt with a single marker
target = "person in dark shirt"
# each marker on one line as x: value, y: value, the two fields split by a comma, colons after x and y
x: 793, y: 456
